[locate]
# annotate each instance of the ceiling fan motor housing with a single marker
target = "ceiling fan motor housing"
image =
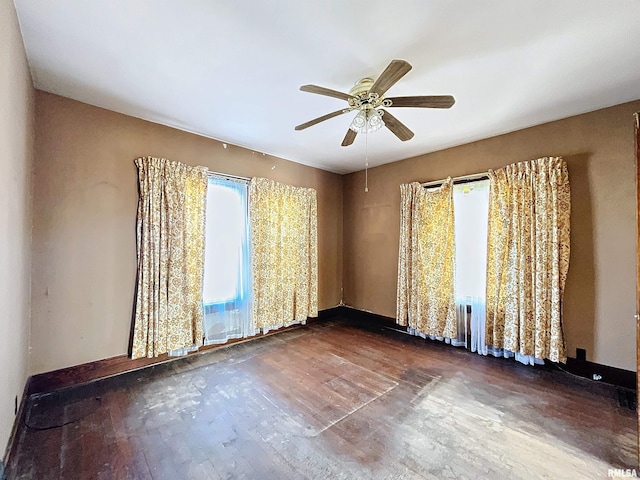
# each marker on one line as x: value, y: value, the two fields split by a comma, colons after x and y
x: 361, y: 87
x: 362, y: 99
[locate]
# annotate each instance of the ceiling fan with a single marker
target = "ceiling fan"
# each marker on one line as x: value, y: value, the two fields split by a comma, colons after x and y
x: 367, y: 97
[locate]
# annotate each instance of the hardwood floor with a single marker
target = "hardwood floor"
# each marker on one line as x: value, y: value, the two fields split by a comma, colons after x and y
x: 328, y: 401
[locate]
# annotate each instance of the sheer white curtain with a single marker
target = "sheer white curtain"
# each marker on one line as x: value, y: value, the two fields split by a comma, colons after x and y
x: 471, y: 207
x: 227, y: 270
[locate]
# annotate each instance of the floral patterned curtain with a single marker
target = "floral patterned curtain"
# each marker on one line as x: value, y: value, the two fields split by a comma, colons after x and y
x: 528, y: 257
x: 426, y: 260
x: 284, y: 243
x: 170, y: 247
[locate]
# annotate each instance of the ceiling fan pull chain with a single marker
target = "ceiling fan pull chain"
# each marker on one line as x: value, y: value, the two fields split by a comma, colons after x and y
x: 366, y: 160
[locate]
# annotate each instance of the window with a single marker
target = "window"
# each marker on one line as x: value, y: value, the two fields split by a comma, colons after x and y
x: 227, y: 270
x: 471, y: 213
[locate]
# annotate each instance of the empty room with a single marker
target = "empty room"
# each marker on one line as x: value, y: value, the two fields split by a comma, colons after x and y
x: 335, y: 239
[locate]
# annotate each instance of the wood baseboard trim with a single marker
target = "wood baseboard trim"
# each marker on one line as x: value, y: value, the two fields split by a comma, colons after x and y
x: 369, y: 318
x: 87, y: 372
x: 9, y: 451
x: 329, y: 313
x: 606, y: 374
x: 581, y: 368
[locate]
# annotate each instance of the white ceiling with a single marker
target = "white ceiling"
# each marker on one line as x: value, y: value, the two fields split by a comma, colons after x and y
x: 231, y: 70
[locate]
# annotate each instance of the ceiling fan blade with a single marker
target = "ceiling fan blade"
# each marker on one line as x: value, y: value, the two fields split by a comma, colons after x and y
x: 308, y: 124
x: 398, y: 128
x: 394, y: 72
x: 438, y: 101
x: 325, y: 91
x: 349, y: 138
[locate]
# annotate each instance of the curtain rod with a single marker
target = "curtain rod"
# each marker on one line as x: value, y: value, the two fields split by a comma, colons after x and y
x: 462, y: 179
x: 227, y: 175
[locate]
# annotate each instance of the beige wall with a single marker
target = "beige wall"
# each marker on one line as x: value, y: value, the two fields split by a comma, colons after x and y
x: 600, y: 294
x: 85, y: 195
x: 16, y: 144
x: 85, y: 200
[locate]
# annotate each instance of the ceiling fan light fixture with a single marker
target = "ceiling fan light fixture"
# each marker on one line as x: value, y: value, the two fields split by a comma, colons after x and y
x: 367, y: 98
x: 367, y: 121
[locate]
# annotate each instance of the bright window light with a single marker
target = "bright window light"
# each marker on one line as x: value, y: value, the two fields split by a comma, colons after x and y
x: 471, y: 210
x: 226, y: 220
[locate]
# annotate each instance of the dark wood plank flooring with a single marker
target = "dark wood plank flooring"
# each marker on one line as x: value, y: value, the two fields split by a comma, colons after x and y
x: 328, y: 401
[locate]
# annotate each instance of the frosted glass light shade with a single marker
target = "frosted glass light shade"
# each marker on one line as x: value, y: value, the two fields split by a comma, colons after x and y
x: 367, y: 121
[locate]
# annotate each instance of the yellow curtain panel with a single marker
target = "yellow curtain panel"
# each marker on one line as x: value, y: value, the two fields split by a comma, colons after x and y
x: 170, y: 249
x: 284, y: 242
x: 426, y: 260
x: 528, y: 257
